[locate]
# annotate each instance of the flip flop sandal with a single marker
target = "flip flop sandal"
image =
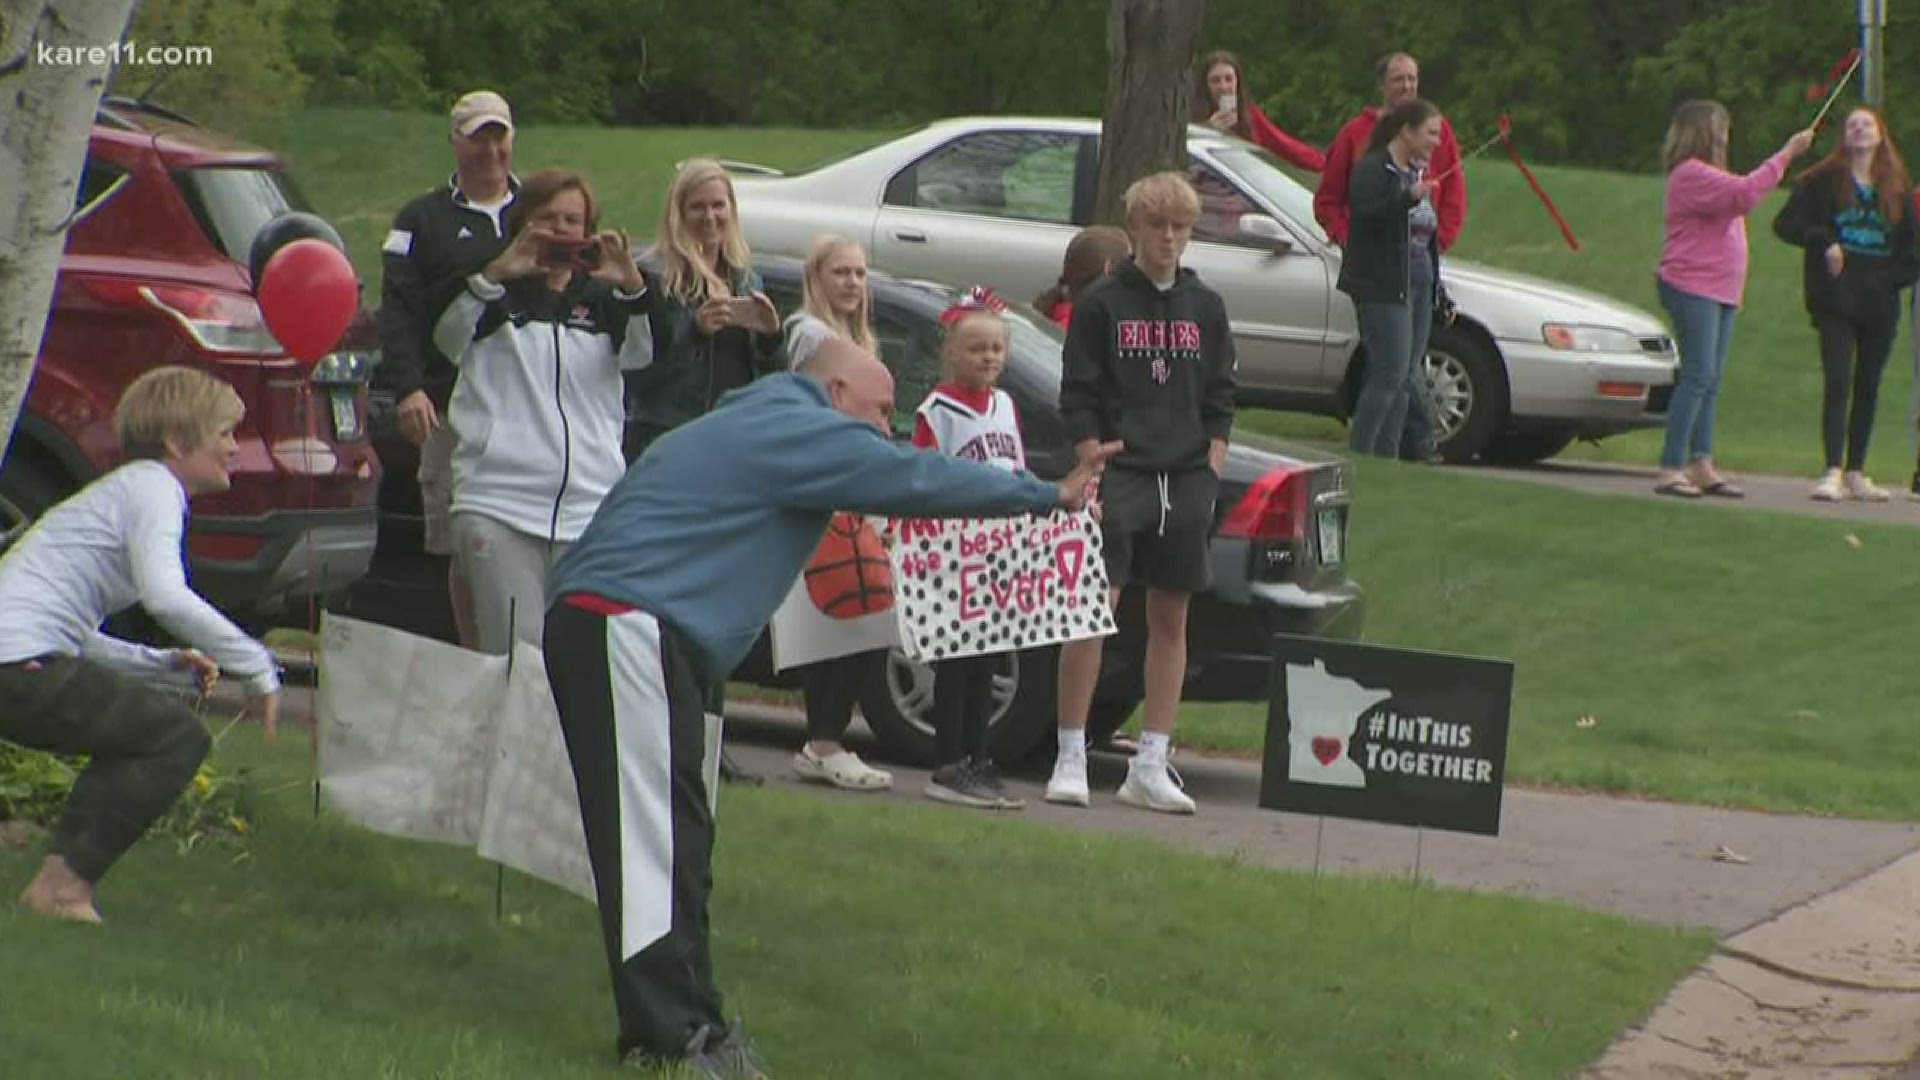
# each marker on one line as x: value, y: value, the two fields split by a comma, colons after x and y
x: 1679, y: 489
x: 1724, y: 489
x: 843, y: 770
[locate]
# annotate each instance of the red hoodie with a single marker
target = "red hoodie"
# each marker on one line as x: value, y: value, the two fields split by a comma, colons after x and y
x: 1330, y: 198
x: 1296, y: 152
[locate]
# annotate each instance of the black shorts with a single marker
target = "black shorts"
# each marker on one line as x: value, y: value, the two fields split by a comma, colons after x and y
x: 1154, y: 542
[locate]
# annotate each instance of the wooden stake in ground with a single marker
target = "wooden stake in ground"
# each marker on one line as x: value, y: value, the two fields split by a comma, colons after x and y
x: 43, y: 143
x: 1143, y: 128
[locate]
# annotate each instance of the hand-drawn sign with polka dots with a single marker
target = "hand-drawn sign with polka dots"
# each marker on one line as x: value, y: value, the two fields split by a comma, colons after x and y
x: 967, y: 587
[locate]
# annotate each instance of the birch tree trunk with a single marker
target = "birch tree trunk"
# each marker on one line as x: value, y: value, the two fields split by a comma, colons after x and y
x: 1143, y: 128
x: 48, y: 112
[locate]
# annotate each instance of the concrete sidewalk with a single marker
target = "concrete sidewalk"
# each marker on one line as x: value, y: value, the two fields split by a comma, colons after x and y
x: 1779, y: 494
x: 1652, y: 861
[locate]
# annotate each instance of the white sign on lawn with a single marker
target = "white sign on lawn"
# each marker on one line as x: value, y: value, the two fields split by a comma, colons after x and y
x: 966, y: 587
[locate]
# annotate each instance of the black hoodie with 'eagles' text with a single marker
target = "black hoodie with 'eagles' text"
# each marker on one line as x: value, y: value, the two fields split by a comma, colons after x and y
x: 1151, y: 367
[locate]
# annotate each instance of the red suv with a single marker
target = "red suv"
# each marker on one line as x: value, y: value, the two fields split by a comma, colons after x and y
x: 155, y: 272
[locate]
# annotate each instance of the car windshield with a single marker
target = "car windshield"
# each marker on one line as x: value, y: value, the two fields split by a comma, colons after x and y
x: 232, y: 203
x: 1260, y: 171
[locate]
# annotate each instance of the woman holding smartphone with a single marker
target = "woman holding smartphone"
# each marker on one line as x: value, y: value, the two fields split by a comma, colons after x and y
x: 1220, y: 101
x: 543, y: 336
x: 714, y: 329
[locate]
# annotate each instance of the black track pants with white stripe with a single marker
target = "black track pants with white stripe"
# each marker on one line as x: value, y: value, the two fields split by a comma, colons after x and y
x: 631, y: 709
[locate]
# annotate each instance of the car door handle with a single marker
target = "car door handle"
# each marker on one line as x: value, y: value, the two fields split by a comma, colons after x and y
x: 911, y: 236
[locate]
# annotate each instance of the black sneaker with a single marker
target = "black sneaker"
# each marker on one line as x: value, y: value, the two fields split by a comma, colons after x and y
x: 987, y: 775
x: 724, y: 1055
x: 960, y: 785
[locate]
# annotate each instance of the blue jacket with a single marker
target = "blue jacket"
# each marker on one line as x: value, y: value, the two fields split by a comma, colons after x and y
x: 709, y: 529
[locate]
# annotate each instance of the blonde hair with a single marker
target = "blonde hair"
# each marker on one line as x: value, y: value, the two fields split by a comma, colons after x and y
x: 179, y: 404
x: 685, y: 274
x: 813, y: 293
x: 1699, y: 130
x: 1163, y: 194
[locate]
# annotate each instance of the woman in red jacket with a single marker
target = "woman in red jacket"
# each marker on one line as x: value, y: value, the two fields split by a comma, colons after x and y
x: 1220, y: 101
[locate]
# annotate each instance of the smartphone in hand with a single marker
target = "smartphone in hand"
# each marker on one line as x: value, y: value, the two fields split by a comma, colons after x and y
x: 741, y: 309
x: 571, y: 254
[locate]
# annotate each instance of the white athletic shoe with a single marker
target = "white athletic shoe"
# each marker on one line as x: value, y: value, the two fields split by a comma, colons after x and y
x: 1828, y: 489
x: 1150, y: 784
x: 1859, y: 487
x: 1068, y: 785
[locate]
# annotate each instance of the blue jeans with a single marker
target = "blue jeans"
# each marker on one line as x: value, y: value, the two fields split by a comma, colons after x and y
x: 1704, y: 330
x: 1386, y: 331
x: 1419, y: 439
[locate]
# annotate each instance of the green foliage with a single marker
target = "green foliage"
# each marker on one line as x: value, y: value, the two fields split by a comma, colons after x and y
x: 1584, y: 83
x: 253, y: 73
x: 216, y: 806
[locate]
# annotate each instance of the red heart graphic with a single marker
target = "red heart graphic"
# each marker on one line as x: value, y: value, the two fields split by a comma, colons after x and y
x: 1326, y: 750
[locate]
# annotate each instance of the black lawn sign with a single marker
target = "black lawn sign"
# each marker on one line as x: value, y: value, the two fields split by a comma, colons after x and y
x: 1382, y: 734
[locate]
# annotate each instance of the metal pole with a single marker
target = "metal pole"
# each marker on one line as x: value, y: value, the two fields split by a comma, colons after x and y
x: 1873, y: 22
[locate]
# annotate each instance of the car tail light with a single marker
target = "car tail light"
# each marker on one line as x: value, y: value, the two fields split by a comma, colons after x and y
x: 1274, y: 508
x: 224, y: 547
x: 224, y: 323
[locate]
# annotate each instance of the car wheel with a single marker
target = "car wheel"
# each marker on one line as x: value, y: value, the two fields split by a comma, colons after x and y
x: 25, y: 494
x: 1526, y: 446
x: 898, y: 705
x: 1468, y: 390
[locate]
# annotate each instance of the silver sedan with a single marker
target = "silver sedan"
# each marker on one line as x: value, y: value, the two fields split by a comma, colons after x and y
x: 1529, y: 366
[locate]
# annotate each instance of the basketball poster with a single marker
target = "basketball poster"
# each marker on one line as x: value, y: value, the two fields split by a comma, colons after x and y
x: 966, y: 587
x: 842, y: 603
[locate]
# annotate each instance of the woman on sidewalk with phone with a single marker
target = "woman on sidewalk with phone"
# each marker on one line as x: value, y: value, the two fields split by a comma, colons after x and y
x: 1702, y: 277
x: 1220, y: 100
x: 1853, y: 214
x: 714, y: 329
x: 543, y: 336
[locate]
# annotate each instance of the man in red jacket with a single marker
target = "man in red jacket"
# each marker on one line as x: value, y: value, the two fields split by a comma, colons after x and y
x: 1399, y: 76
x: 1399, y: 83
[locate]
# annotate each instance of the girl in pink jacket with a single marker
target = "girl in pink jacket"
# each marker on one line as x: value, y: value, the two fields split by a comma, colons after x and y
x: 1702, y: 276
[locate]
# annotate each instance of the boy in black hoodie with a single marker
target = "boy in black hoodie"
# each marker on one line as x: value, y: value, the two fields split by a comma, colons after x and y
x: 1149, y: 361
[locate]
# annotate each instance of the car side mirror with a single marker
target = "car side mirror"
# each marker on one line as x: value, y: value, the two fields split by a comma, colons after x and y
x: 1261, y: 231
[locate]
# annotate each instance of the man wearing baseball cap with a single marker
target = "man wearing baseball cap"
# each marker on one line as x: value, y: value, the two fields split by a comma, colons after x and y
x: 436, y: 241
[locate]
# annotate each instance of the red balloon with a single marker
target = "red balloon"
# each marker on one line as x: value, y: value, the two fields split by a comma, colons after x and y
x: 308, y: 295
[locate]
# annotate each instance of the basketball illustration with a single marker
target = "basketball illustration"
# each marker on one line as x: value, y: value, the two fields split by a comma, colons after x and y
x: 849, y: 575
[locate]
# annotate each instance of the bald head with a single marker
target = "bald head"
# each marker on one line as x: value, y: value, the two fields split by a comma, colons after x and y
x: 857, y: 382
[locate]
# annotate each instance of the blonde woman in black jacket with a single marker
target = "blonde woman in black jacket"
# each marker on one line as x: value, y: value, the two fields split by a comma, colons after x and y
x: 1853, y: 214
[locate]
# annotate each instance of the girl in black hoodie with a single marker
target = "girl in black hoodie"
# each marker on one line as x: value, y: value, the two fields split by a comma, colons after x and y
x: 1390, y: 267
x: 1853, y: 214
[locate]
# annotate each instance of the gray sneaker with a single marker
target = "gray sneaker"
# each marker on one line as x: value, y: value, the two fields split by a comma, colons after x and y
x: 987, y: 775
x: 724, y: 1055
x: 960, y: 784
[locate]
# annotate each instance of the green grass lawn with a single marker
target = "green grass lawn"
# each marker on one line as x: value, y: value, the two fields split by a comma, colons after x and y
x: 360, y: 165
x: 858, y: 940
x: 1730, y: 656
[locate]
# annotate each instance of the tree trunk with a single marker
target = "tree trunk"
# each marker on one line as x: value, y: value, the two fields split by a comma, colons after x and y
x: 43, y: 143
x: 1143, y: 129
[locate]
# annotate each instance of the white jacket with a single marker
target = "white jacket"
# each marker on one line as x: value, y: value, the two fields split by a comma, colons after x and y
x: 540, y: 404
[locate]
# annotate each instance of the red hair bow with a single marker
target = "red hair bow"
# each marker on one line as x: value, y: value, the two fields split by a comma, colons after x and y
x: 978, y: 298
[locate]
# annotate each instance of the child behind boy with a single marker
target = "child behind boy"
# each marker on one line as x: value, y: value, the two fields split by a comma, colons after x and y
x: 71, y: 689
x: 968, y: 417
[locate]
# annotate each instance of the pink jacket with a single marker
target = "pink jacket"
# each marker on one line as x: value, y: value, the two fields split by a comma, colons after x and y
x: 1706, y: 214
